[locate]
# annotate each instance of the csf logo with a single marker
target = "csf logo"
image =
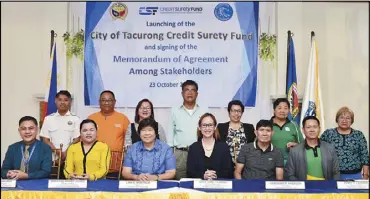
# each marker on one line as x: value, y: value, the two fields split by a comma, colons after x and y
x: 148, y: 10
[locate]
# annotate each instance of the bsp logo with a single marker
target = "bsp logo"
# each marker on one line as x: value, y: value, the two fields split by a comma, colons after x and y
x: 223, y: 11
x: 148, y: 10
x: 118, y: 11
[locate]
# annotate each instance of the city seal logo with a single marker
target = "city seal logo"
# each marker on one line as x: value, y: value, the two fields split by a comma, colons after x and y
x: 223, y: 11
x: 293, y: 100
x: 118, y: 11
x: 311, y: 109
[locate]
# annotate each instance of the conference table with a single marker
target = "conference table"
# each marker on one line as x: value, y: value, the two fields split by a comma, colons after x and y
x: 243, y: 189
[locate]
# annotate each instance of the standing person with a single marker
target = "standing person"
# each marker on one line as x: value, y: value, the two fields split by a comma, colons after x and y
x: 29, y: 158
x: 144, y: 109
x: 312, y: 159
x: 88, y: 159
x: 286, y: 132
x: 209, y: 158
x: 183, y: 125
x: 61, y: 127
x: 350, y: 145
x: 260, y: 159
x: 235, y: 133
x: 112, y: 127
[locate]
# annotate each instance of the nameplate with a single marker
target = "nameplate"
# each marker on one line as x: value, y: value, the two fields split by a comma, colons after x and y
x: 285, y: 185
x: 8, y: 183
x: 353, y: 184
x: 137, y: 184
x: 59, y: 184
x: 212, y: 184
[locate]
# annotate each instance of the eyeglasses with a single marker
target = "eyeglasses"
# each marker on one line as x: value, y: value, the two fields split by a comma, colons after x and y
x: 236, y: 111
x: 145, y: 108
x: 345, y: 118
x: 207, y: 125
x: 109, y: 101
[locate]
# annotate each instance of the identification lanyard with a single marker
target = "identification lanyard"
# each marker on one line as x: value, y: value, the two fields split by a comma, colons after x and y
x: 24, y: 160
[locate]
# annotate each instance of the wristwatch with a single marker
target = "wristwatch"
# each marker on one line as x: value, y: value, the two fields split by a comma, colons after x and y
x: 157, y: 177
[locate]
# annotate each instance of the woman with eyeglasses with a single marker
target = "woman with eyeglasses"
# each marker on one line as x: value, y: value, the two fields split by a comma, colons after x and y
x: 144, y: 109
x: 209, y: 158
x: 350, y: 145
x: 236, y: 133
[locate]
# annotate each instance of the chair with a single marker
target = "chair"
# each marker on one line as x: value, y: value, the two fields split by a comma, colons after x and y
x: 116, y: 164
x: 57, y: 160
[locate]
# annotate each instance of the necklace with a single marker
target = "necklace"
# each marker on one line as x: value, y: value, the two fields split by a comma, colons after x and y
x: 209, y: 149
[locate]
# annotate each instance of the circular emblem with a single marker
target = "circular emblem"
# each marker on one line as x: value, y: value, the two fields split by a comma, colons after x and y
x: 293, y: 100
x: 70, y: 122
x: 118, y: 11
x: 223, y: 11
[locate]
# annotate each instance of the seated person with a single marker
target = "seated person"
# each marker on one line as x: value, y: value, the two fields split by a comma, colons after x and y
x: 88, y: 159
x: 149, y: 159
x: 29, y: 158
x: 209, y: 158
x: 312, y: 159
x: 144, y: 109
x: 260, y: 159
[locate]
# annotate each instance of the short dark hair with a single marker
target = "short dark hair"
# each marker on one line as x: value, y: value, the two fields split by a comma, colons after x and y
x: 280, y: 100
x: 137, y: 109
x: 108, y: 91
x: 264, y: 123
x: 311, y: 117
x: 235, y: 102
x: 27, y: 118
x: 189, y: 82
x: 86, y: 121
x: 64, y: 92
x: 148, y: 122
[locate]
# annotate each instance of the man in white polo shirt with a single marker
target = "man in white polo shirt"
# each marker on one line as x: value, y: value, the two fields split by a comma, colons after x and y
x: 61, y: 127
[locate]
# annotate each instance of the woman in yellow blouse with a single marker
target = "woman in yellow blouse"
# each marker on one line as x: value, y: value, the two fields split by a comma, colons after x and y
x: 88, y: 159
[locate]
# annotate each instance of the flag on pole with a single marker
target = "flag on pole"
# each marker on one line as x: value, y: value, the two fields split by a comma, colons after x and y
x: 291, y: 82
x: 51, y: 90
x: 312, y: 100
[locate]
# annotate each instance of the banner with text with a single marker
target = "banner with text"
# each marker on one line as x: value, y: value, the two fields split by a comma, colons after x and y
x: 147, y: 49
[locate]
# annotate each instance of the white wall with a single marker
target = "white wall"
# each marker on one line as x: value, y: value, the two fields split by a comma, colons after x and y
x: 341, y: 32
x: 342, y: 35
x: 25, y: 43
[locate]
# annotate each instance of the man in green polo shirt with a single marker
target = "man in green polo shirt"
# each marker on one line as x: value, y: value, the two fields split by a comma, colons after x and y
x: 312, y: 159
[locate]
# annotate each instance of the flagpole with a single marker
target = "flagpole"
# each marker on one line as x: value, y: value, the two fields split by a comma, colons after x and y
x: 52, y: 36
x: 287, y: 58
x: 312, y: 35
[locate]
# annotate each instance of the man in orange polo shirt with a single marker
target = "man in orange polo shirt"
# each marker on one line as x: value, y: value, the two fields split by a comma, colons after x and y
x: 112, y: 126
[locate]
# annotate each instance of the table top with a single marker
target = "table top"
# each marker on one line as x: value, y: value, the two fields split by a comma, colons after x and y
x: 242, y: 186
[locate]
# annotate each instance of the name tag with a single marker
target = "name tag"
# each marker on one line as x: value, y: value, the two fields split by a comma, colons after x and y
x: 8, y: 183
x: 285, y: 185
x: 137, y: 184
x: 353, y: 185
x: 212, y: 184
x: 67, y: 184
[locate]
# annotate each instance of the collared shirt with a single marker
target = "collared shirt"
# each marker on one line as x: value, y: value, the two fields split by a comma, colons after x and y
x: 289, y: 132
x: 40, y: 162
x: 158, y: 160
x: 183, y: 126
x: 314, y: 164
x: 94, y: 162
x: 61, y: 129
x: 260, y: 164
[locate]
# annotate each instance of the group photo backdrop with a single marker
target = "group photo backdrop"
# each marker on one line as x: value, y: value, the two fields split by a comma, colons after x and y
x: 341, y: 33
